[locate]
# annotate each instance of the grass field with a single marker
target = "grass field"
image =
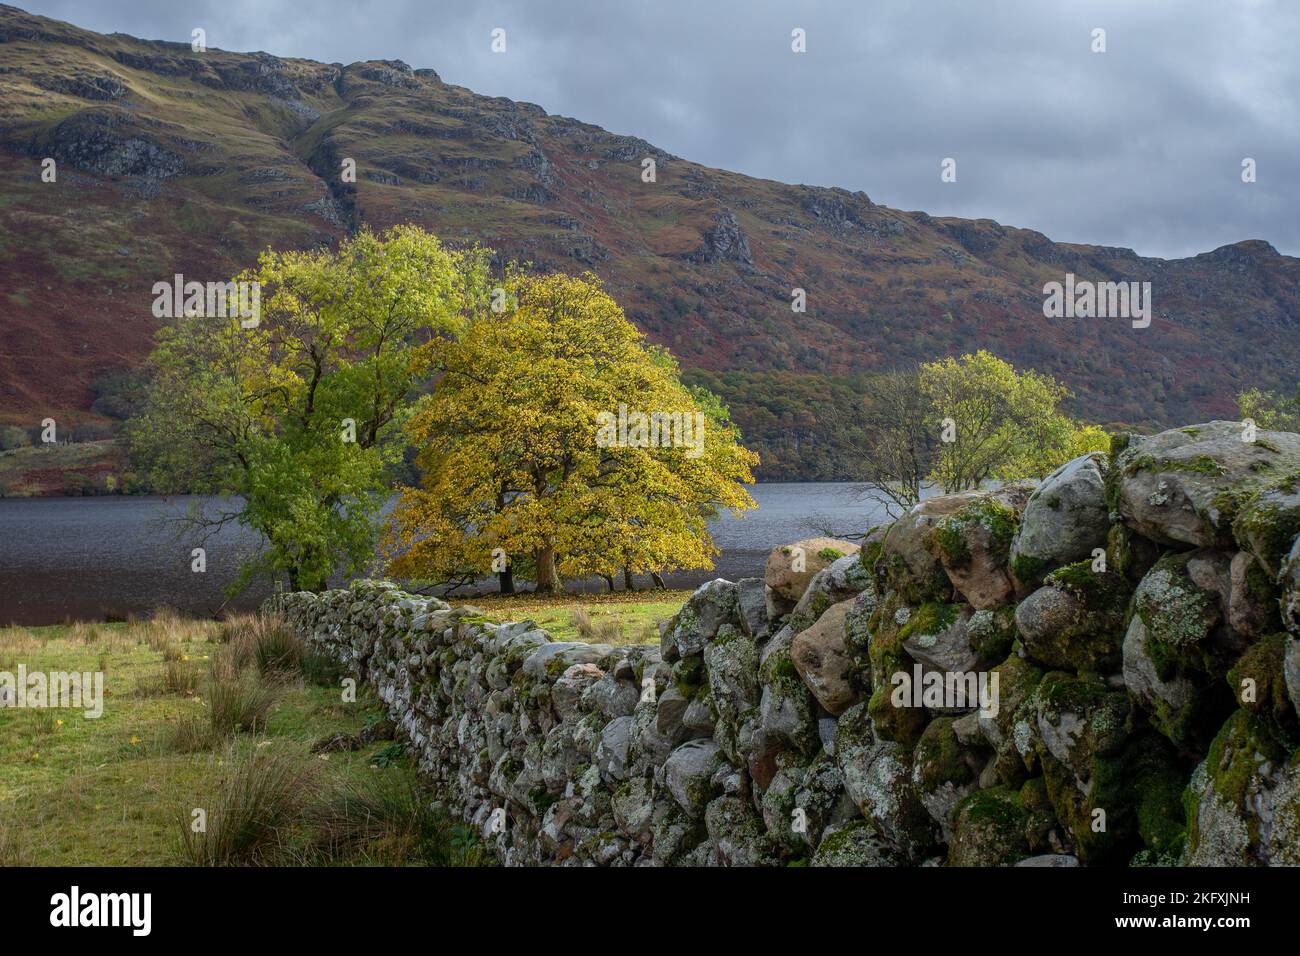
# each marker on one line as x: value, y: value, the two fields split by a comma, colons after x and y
x: 187, y: 724
x: 623, y: 617
x: 228, y: 718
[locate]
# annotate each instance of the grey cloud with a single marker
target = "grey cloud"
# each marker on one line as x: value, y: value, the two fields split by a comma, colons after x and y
x: 1140, y: 146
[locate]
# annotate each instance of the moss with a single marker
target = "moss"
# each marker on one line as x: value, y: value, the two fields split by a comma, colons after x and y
x: 1128, y: 553
x: 689, y: 671
x: 782, y: 666
x: 989, y: 829
x: 951, y: 539
x: 1040, y: 818
x: 947, y: 539
x: 931, y: 618
x: 1176, y: 612
x: 1156, y: 786
x: 830, y: 554
x: 808, y: 615
x: 1232, y: 764
x: 1029, y: 570
x: 1260, y: 586
x: 893, y: 574
x: 938, y: 757
x: 1262, y: 664
x: 1197, y: 465
x: 1090, y: 639
x: 903, y: 725
x: 992, y: 632
x: 1018, y: 678
x: 541, y: 800
x: 1099, y: 588
x: 870, y: 554
x: 1267, y: 527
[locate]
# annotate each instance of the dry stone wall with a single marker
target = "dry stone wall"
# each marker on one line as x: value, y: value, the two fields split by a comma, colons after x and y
x: 1101, y: 669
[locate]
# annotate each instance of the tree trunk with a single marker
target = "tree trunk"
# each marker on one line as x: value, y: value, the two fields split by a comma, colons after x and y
x: 628, y: 583
x: 609, y: 582
x: 659, y: 582
x: 506, y: 580
x: 548, y: 579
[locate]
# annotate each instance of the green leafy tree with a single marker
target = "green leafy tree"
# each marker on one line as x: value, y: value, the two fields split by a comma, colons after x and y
x: 1270, y: 410
x: 296, y: 420
x: 514, y: 461
x: 996, y: 422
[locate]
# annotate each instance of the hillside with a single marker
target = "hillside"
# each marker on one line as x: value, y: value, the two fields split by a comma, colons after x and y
x: 175, y: 161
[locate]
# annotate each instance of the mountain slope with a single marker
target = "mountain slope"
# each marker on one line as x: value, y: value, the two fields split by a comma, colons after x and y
x: 174, y: 161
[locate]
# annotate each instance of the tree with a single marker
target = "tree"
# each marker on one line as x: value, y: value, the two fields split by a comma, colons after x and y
x: 998, y: 423
x: 900, y: 440
x: 523, y: 455
x: 1270, y: 410
x: 295, y: 420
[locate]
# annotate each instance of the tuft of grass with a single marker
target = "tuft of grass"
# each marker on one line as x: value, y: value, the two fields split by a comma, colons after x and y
x: 238, y: 701
x: 608, y: 630
x: 180, y: 677
x: 190, y: 735
x: 322, y: 669
x: 249, y: 820
x: 265, y: 641
x: 389, y: 820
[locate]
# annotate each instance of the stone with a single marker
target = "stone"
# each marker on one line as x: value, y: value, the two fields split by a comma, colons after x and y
x: 944, y: 645
x: 612, y: 697
x: 791, y: 568
x: 611, y: 752
x: 1064, y: 520
x: 1172, y: 704
x: 820, y: 658
x: 1239, y: 795
x: 556, y: 658
x: 989, y: 829
x: 1078, y: 719
x: 1050, y: 860
x: 906, y: 565
x: 853, y: 844
x: 738, y: 834
x: 695, y: 625
x: 844, y: 579
x: 1252, y: 606
x: 974, y: 545
x: 633, y: 807
x: 1186, y: 486
x: 1267, y: 527
x: 943, y: 773
x: 751, y: 604
x: 1075, y: 620
x: 1291, y: 672
x: 878, y: 777
x: 688, y: 775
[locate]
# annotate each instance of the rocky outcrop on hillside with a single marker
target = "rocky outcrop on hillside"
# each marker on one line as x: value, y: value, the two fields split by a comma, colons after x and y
x: 706, y: 262
x: 1103, y: 668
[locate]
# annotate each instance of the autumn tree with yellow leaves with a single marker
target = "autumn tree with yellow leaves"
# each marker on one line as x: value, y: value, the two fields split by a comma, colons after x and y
x: 524, y: 466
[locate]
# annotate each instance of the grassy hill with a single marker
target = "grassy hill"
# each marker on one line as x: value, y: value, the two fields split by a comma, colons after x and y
x: 174, y: 161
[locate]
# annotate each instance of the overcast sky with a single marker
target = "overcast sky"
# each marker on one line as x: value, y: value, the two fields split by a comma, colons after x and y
x: 1139, y: 146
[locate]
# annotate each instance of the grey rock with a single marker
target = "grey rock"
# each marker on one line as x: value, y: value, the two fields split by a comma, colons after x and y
x: 688, y: 774
x: 1171, y: 484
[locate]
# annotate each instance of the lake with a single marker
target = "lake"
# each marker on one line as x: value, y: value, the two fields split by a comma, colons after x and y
x: 106, y: 557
